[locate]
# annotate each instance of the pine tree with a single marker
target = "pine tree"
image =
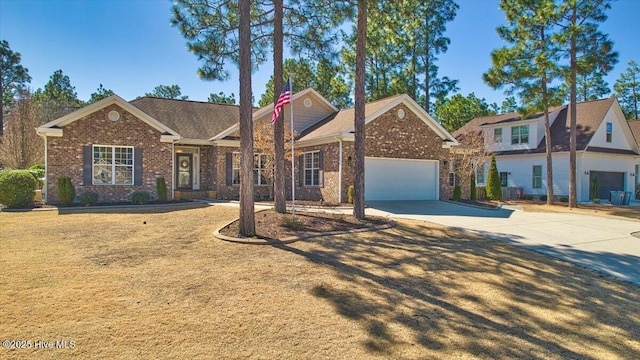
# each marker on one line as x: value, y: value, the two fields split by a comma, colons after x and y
x: 588, y: 50
x: 627, y: 90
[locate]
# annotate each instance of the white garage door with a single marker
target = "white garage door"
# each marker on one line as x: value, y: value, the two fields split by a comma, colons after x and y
x: 400, y: 179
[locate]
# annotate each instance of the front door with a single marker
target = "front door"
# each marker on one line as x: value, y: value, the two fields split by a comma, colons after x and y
x: 185, y: 171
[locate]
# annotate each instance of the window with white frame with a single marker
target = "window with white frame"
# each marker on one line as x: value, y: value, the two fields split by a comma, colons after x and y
x: 312, y: 168
x: 452, y: 173
x: 609, y: 132
x: 537, y: 177
x: 112, y: 165
x: 235, y: 169
x: 497, y: 135
x: 259, y: 166
x: 259, y: 169
x: 480, y: 174
x: 504, y: 179
x: 520, y: 134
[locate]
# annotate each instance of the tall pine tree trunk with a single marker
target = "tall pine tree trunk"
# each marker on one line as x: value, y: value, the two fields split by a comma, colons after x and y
x: 572, y: 110
x: 279, y: 192
x: 547, y: 129
x: 247, y: 219
x: 361, y: 52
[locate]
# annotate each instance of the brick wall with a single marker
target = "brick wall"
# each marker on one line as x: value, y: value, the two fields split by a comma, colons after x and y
x: 386, y: 136
x: 65, y: 156
x: 408, y: 138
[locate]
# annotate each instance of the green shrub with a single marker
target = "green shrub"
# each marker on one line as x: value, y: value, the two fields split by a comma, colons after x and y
x: 493, y: 188
x: 140, y: 197
x: 594, y: 187
x: 37, y: 174
x: 351, y: 193
x: 528, y: 197
x: 543, y: 197
x: 66, y: 191
x: 564, y: 199
x: 457, y: 193
x: 161, y: 188
x: 17, y: 188
x: 88, y: 198
x: 473, y: 191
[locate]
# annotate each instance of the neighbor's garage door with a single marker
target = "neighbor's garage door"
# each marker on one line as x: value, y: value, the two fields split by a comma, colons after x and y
x: 609, y: 181
x: 400, y: 179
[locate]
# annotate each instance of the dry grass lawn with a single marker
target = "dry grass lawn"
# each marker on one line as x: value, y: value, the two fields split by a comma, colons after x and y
x: 167, y: 289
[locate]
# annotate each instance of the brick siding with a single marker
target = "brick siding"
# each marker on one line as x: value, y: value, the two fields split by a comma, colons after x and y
x: 65, y: 156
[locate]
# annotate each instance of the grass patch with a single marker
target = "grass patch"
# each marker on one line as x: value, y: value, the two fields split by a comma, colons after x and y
x: 157, y: 285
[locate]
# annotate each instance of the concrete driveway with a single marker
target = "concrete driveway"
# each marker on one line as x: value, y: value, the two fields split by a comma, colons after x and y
x: 600, y: 243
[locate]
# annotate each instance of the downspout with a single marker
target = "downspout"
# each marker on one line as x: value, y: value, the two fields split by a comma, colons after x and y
x: 339, y: 169
x: 45, y: 185
x: 46, y: 167
x: 173, y: 170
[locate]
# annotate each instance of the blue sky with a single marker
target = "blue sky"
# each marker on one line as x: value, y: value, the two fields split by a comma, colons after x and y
x: 130, y: 47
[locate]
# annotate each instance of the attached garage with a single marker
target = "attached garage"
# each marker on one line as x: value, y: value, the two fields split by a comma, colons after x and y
x: 608, y: 180
x: 400, y: 179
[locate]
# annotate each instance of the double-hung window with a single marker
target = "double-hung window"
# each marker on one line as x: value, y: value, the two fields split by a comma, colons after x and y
x: 497, y: 135
x: 312, y: 169
x: 112, y: 165
x: 480, y: 174
x: 609, y: 132
x: 537, y: 177
x: 520, y: 134
x: 259, y: 169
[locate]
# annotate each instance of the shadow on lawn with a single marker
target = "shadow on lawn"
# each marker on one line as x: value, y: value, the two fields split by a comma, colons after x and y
x: 132, y: 209
x: 409, y: 278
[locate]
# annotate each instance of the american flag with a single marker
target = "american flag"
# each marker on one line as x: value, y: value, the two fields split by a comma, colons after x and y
x: 283, y: 99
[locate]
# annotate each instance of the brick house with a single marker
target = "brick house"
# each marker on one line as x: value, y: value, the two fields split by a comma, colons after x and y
x: 114, y: 147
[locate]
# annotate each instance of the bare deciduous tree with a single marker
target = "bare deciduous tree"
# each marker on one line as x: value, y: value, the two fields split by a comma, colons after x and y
x: 21, y: 147
x: 263, y: 143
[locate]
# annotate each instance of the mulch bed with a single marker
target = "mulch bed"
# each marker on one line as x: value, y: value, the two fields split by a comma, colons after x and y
x: 273, y: 225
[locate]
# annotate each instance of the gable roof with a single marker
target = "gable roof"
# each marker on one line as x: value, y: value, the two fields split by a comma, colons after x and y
x: 588, y: 117
x: 190, y: 119
x: 233, y: 131
x: 113, y: 99
x: 635, y: 129
x: 341, y: 123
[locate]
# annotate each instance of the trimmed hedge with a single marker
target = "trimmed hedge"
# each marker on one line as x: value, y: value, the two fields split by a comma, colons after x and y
x: 473, y: 193
x: 66, y: 191
x: 457, y: 193
x: 88, y: 198
x: 17, y: 188
x: 161, y: 188
x: 493, y: 188
x: 140, y: 197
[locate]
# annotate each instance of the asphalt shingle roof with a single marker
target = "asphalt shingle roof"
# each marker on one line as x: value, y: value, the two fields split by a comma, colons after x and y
x: 190, y: 119
x: 589, y: 115
x: 343, y: 120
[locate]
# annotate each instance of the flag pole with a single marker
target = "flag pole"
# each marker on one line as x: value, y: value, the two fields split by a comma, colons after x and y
x: 293, y: 156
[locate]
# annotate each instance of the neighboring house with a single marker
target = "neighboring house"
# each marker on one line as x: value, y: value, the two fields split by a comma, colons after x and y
x: 114, y: 147
x: 606, y: 149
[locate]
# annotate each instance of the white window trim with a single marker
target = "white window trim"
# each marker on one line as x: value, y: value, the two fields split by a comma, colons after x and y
x: 305, y: 168
x: 239, y: 168
x: 479, y: 168
x: 533, y: 177
x: 520, y: 142
x: 113, y: 165
x: 496, y: 139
